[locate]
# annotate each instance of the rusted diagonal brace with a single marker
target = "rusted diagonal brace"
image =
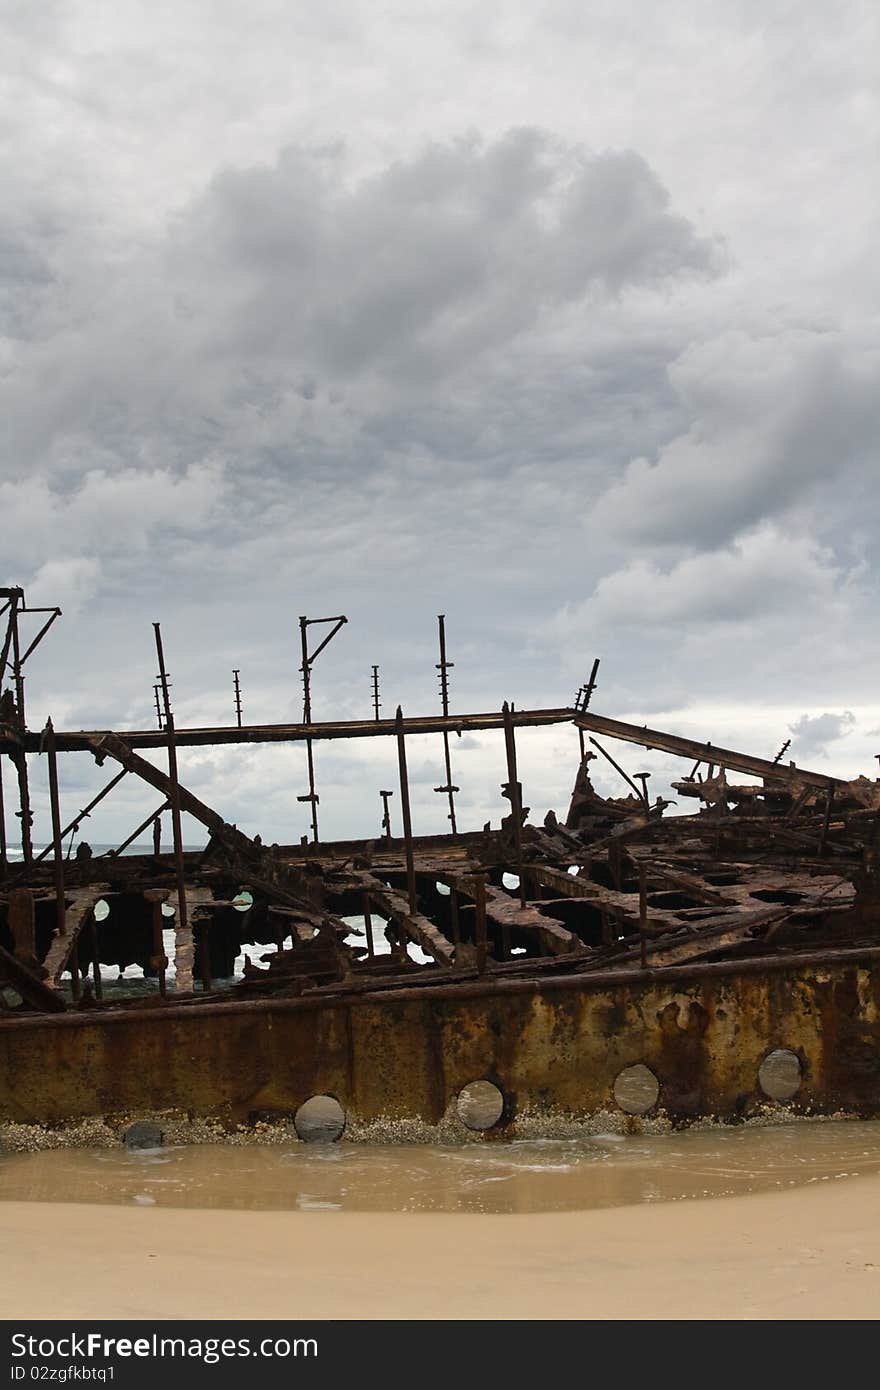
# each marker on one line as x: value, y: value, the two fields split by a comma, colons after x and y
x: 226, y: 835
x: 35, y: 992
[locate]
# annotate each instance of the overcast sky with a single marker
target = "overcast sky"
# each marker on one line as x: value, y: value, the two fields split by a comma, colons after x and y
x: 559, y: 318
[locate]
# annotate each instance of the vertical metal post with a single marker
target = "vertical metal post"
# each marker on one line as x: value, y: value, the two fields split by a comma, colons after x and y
x: 376, y: 701
x: 95, y: 958
x: 606, y: 929
x: 158, y: 706
x: 16, y: 667
x: 307, y: 719
x: 175, y: 785
x: 515, y: 792
x: 615, y: 865
x: 159, y: 961
x: 58, y: 854
x: 157, y: 836
x: 57, y: 846
x: 829, y: 802
x: 4, y: 861
x: 205, y: 952
x: 368, y: 925
x: 443, y: 666
x: 386, y: 813
x: 582, y: 700
x: 453, y: 910
x: 643, y: 915
x: 405, y: 812
x: 20, y: 757
x: 237, y: 688
x: 480, y: 924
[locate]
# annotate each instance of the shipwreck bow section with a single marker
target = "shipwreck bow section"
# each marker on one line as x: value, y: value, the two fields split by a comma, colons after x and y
x: 621, y: 967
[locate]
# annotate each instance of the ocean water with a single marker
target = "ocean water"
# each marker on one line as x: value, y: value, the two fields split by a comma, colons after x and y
x: 605, y: 1170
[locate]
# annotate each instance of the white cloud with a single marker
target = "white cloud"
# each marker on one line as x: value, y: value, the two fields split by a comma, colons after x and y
x: 65, y: 583
x: 765, y: 574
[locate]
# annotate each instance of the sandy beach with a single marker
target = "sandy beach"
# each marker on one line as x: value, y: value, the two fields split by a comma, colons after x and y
x: 813, y: 1252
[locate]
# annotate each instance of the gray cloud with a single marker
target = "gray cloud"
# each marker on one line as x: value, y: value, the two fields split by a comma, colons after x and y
x: 776, y: 418
x: 288, y: 309
x: 424, y: 266
x: 293, y: 320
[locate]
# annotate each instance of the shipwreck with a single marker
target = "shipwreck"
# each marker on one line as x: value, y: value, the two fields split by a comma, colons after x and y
x: 617, y: 962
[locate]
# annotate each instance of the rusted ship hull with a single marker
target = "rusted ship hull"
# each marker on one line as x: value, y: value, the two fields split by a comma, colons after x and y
x: 558, y: 963
x: 554, y: 1048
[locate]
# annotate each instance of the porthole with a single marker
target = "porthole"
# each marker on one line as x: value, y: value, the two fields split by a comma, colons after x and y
x: 480, y: 1105
x: 319, y: 1120
x: 780, y: 1074
x: 636, y: 1089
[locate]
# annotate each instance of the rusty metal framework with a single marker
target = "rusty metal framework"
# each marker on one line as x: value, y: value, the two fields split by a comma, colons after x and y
x: 545, y: 959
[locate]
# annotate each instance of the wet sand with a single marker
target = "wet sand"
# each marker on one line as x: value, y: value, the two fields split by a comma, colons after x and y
x: 812, y: 1252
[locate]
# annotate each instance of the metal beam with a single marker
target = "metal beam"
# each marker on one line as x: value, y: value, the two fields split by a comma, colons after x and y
x: 78, y: 740
x: 705, y: 752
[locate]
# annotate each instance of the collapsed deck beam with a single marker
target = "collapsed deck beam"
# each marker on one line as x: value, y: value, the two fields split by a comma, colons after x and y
x: 505, y: 911
x: 65, y: 944
x: 35, y: 991
x: 703, y: 752
x: 417, y: 927
x: 72, y: 741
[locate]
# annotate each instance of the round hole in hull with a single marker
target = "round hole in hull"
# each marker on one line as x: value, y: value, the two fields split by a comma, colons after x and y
x: 480, y: 1105
x: 636, y: 1089
x: 319, y: 1120
x: 780, y: 1074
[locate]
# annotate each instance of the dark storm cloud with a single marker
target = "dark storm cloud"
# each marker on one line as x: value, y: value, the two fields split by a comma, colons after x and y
x: 428, y: 264
x: 292, y: 312
x: 299, y: 325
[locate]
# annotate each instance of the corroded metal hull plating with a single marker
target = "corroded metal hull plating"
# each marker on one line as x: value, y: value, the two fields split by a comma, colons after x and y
x: 554, y: 1051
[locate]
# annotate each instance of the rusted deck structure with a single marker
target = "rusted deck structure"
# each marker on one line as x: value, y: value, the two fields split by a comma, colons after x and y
x: 614, y: 962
